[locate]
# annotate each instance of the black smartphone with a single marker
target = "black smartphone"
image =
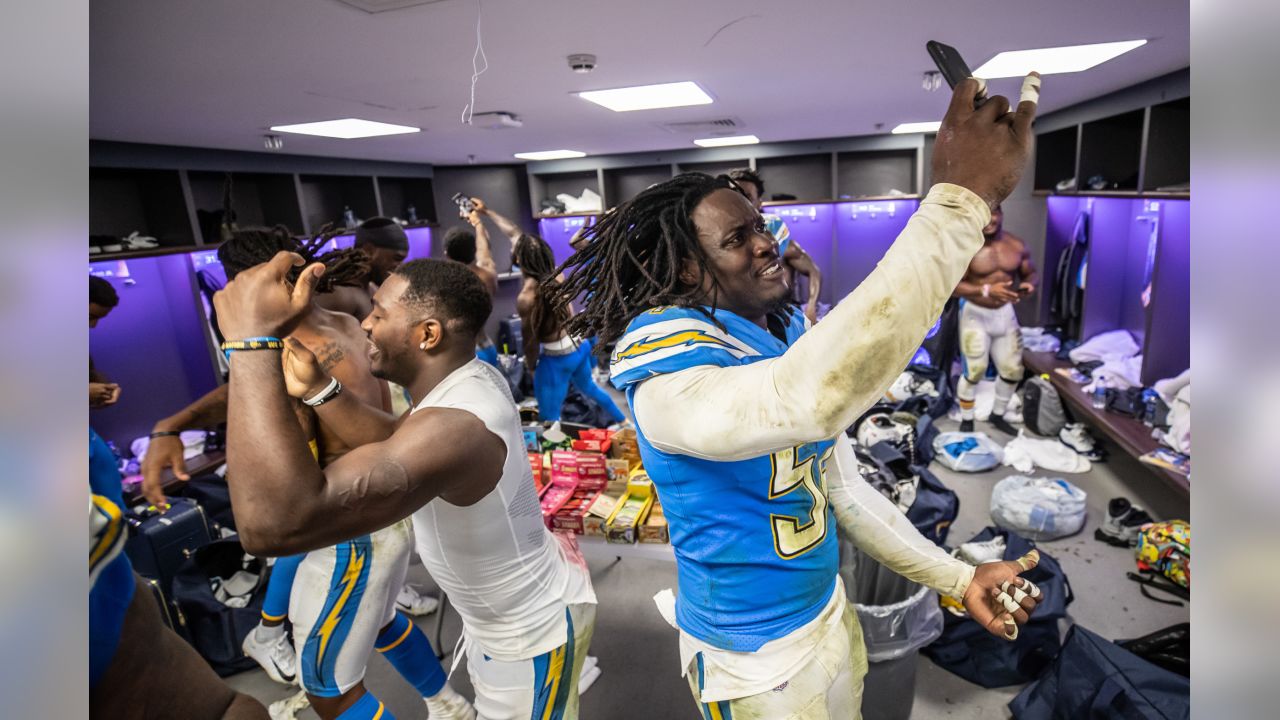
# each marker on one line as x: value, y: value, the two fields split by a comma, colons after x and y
x: 950, y: 64
x: 465, y: 206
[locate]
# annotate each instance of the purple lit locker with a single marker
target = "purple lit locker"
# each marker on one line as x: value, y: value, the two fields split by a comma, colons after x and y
x: 864, y: 232
x: 813, y: 227
x: 152, y: 344
x: 419, y: 242
x: 1169, y: 334
x: 557, y: 231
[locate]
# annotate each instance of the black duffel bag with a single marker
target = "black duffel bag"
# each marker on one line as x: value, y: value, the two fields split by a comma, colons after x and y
x: 216, y: 628
x: 1095, y: 678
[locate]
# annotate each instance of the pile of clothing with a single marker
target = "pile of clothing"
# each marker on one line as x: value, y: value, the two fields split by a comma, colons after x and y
x: 1110, y: 360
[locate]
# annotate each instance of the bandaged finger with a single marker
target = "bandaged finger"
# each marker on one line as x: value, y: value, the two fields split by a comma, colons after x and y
x: 1028, y: 561
x: 982, y: 87
x: 1008, y: 602
x: 1030, y: 89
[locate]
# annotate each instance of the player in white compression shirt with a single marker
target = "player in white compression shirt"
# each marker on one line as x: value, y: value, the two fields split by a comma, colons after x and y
x: 456, y: 465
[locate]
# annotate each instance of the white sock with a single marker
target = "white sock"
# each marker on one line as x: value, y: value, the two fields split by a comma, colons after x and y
x: 965, y: 394
x: 266, y: 634
x: 439, y: 700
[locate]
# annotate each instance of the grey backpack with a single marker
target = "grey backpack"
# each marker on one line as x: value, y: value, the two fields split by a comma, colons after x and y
x: 1042, y: 410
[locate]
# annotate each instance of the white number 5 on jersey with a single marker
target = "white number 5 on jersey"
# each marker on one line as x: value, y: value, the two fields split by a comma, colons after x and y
x: 793, y: 469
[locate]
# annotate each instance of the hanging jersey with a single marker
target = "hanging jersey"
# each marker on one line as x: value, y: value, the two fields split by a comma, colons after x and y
x: 776, y: 227
x: 110, y: 582
x: 507, y: 575
x: 754, y: 539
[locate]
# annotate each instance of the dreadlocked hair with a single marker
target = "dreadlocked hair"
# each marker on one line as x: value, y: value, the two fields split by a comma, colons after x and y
x: 536, y: 260
x: 254, y: 246
x: 632, y: 259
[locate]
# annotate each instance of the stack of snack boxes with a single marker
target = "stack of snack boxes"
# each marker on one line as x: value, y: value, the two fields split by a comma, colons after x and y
x: 623, y: 526
x: 591, y: 481
x: 564, y: 483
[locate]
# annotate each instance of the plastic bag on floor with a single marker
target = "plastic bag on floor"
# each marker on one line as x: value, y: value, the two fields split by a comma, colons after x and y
x: 1038, y: 508
x: 967, y: 452
x: 897, y: 616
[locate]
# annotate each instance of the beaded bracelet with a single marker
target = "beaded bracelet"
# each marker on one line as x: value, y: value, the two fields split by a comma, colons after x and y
x: 255, y: 343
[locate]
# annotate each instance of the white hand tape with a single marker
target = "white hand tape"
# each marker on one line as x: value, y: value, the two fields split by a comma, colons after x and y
x: 1030, y: 89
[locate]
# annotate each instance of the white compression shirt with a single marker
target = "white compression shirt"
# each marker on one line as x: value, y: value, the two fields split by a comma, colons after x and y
x: 833, y: 373
x: 507, y: 575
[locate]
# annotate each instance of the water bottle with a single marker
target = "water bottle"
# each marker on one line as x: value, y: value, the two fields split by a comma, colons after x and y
x: 349, y: 217
x: 412, y: 212
x: 1099, y: 397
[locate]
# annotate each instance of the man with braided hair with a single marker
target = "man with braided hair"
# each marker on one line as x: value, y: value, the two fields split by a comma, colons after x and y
x: 341, y: 599
x: 556, y: 358
x: 741, y: 413
x: 383, y: 244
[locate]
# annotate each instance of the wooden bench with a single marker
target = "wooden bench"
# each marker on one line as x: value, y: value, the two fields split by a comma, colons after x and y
x: 1130, y: 434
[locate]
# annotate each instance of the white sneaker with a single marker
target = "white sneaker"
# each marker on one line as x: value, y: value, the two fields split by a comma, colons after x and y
x: 1076, y: 437
x: 288, y: 708
x: 412, y: 602
x: 449, y: 705
x: 276, y: 656
x: 976, y: 553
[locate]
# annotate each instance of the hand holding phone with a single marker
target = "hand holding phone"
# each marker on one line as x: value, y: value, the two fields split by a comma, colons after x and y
x: 953, y: 68
x: 983, y: 143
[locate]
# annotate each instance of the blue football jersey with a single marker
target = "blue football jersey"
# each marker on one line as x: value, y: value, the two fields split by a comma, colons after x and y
x: 110, y: 575
x: 778, y: 228
x: 755, y: 539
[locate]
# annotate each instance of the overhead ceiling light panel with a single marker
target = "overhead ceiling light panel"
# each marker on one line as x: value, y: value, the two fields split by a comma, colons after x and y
x: 649, y: 97
x: 346, y: 128
x: 727, y: 141
x: 918, y: 127
x: 550, y: 155
x: 1050, y: 61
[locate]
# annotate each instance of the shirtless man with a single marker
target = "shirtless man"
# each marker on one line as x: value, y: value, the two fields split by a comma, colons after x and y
x: 471, y: 248
x: 336, y: 626
x: 794, y: 258
x: 1000, y: 276
x: 385, y: 245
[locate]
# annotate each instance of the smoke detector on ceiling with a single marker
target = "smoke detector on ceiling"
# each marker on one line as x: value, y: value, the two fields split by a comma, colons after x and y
x: 582, y: 62
x: 499, y: 120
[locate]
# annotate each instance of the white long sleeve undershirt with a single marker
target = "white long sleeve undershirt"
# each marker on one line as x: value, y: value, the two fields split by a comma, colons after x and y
x: 833, y: 373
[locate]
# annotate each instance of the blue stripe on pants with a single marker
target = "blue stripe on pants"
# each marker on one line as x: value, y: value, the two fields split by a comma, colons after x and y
x: 324, y: 642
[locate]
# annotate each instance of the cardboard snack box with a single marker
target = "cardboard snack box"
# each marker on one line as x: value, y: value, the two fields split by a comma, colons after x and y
x: 654, y: 529
x: 631, y: 511
x: 571, y: 516
x: 554, y: 497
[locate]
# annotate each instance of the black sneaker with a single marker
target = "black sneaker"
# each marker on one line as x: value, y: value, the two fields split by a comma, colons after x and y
x: 1123, y: 523
x: 966, y: 426
x: 998, y: 422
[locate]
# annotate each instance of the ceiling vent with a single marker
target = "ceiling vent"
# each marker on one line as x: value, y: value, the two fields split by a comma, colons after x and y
x: 377, y: 6
x: 719, y: 126
x: 496, y: 120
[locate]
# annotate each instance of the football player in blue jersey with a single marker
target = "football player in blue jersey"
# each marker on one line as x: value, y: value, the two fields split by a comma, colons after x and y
x: 741, y: 415
x: 794, y: 259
